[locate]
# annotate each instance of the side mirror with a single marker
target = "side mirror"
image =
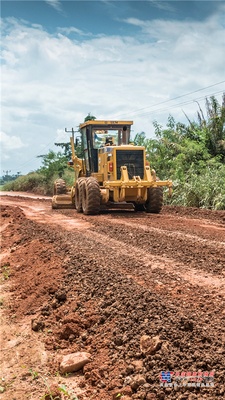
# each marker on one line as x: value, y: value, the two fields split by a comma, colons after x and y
x: 77, y: 141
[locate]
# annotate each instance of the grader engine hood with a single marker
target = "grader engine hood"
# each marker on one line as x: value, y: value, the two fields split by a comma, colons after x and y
x: 133, y: 159
x: 112, y: 158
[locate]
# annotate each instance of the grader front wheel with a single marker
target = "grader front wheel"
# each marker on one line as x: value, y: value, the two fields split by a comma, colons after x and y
x: 78, y: 195
x: 154, y: 202
x: 90, y: 196
x: 59, y: 187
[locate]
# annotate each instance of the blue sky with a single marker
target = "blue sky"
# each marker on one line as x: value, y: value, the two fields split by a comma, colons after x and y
x: 116, y: 59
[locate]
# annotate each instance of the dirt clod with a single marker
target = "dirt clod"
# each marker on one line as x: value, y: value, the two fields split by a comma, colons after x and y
x: 37, y: 325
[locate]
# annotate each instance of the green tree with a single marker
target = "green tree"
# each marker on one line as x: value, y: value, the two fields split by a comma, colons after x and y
x: 89, y: 117
x: 211, y: 129
x: 53, y: 164
x: 140, y: 139
x: 66, y: 149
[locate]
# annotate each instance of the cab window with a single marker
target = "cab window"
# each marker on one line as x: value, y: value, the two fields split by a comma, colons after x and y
x: 103, y: 137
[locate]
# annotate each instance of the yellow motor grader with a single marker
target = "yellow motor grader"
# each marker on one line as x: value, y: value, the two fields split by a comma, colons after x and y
x: 112, y: 173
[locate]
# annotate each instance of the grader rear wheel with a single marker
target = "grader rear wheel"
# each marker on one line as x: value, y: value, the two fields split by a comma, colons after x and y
x: 78, y: 195
x: 60, y: 187
x: 90, y: 196
x: 154, y: 202
x: 138, y: 207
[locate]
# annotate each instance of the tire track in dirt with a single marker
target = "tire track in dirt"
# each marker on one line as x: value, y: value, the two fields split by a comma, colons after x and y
x: 147, y: 261
x: 178, y: 234
x: 203, y: 255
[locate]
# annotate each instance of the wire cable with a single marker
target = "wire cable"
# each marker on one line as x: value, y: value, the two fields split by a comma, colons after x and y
x: 174, y: 98
x: 179, y: 104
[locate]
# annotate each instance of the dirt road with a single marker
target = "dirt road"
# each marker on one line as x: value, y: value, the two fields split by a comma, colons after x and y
x: 99, y: 284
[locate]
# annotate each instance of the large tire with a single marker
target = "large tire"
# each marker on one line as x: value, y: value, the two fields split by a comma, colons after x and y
x: 60, y: 187
x: 154, y: 202
x: 91, y: 197
x: 78, y: 195
x: 138, y: 207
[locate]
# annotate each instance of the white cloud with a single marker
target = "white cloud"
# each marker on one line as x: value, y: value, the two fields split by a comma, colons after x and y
x: 56, y: 4
x: 72, y: 29
x: 9, y: 142
x: 162, y: 5
x: 50, y: 82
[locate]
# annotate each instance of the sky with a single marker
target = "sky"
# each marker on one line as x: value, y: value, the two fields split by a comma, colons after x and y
x: 118, y: 60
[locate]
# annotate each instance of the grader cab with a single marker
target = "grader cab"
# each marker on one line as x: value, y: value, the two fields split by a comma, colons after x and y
x: 112, y: 173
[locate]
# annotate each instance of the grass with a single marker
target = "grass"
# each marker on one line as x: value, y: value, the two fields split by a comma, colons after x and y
x: 205, y: 190
x: 33, y: 373
x: 38, y: 183
x: 67, y: 393
x: 5, y: 272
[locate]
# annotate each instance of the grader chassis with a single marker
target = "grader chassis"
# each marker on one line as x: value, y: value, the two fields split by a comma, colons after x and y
x: 112, y: 173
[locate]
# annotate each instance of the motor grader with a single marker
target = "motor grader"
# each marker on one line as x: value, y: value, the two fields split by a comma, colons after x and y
x: 112, y: 173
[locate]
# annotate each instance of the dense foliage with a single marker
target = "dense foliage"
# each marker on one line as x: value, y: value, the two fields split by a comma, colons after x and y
x: 193, y: 156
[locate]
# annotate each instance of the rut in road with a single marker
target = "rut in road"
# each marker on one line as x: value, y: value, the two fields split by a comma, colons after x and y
x: 206, y: 255
x: 142, y: 264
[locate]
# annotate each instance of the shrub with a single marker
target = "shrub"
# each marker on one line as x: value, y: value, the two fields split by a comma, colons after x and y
x: 205, y: 189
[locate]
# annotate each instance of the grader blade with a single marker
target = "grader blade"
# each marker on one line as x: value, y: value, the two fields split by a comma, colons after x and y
x: 62, y: 201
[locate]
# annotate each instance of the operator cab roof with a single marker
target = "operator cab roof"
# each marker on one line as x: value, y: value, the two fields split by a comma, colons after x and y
x: 106, y: 123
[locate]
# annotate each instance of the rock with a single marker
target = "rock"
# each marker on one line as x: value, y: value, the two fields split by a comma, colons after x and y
x: 118, y: 341
x: 127, y: 380
x: 123, y: 393
x: 151, y: 396
x: 165, y: 347
x: 186, y: 324
x: 125, y: 398
x: 150, y: 345
x: 37, y: 325
x: 61, y: 296
x: 116, y: 383
x: 74, y: 361
x: 138, y: 364
x: 146, y: 386
x: 129, y: 369
x: 68, y: 330
x: 137, y: 381
x: 2, y: 389
x: 84, y: 336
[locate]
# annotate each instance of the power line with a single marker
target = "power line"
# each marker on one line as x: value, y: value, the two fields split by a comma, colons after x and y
x: 179, y: 104
x: 34, y: 156
x: 174, y: 98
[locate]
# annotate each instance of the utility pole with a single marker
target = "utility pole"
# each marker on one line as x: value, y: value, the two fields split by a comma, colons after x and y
x: 7, y: 172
